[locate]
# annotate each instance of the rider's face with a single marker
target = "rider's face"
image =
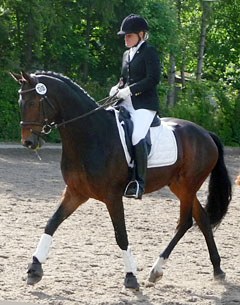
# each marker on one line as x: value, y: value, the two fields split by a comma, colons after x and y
x: 131, y: 40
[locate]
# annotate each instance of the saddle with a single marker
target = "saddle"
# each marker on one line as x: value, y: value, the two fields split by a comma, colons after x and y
x: 161, y: 141
x: 127, y: 124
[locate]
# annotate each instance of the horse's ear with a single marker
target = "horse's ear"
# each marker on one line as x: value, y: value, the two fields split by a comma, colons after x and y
x: 23, y: 78
x: 26, y: 77
x: 17, y: 77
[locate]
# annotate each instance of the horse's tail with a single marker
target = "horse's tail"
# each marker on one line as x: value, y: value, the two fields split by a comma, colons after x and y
x: 220, y: 188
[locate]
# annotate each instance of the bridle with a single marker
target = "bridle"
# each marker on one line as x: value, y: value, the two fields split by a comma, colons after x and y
x: 48, y: 126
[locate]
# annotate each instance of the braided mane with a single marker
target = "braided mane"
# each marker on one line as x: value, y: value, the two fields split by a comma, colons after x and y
x: 74, y: 86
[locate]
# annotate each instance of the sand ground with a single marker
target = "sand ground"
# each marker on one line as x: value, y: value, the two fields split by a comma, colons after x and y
x: 85, y: 265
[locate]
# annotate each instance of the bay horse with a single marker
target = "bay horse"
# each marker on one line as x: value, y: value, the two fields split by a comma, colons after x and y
x: 93, y: 165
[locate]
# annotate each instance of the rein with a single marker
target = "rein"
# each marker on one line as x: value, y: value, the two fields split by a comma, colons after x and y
x: 47, y: 127
x: 108, y: 101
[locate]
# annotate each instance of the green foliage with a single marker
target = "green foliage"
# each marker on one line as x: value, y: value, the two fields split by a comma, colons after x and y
x: 9, y: 118
x: 211, y: 106
x: 162, y: 19
x: 228, y: 123
x: 194, y: 105
x: 78, y: 39
x: 224, y: 39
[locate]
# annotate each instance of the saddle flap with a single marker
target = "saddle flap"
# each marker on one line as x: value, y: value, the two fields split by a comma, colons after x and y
x: 164, y: 150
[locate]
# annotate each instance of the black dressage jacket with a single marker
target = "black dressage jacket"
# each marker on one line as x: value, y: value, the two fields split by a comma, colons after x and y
x: 142, y: 75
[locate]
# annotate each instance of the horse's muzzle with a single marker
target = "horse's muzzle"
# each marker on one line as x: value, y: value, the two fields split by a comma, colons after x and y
x: 33, y: 142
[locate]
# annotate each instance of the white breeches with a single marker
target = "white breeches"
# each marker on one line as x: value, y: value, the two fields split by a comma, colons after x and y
x: 142, y: 120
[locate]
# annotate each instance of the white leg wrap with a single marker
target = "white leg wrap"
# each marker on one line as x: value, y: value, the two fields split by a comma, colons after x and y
x: 129, y: 261
x: 43, y: 247
x: 157, y: 266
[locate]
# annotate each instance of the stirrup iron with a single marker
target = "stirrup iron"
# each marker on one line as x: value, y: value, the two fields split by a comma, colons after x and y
x: 132, y: 190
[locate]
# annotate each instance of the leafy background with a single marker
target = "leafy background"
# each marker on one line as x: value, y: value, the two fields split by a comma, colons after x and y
x: 198, y: 43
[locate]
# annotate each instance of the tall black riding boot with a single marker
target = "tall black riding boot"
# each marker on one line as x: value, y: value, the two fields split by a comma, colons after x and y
x: 135, y: 188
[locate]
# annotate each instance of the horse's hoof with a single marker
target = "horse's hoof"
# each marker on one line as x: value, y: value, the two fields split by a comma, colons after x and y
x: 155, y: 276
x: 131, y: 281
x: 219, y: 276
x: 35, y: 273
x: 149, y: 284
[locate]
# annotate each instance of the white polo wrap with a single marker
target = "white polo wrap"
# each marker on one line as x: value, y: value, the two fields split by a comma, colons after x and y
x: 129, y: 261
x: 157, y: 266
x: 43, y: 247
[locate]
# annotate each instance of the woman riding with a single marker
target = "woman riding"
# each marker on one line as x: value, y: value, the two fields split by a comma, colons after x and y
x: 137, y: 90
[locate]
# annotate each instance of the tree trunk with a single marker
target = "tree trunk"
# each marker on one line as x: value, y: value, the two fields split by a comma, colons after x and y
x: 87, y: 43
x: 179, y: 12
x: 204, y: 24
x: 29, y: 42
x: 183, y: 81
x: 171, y: 81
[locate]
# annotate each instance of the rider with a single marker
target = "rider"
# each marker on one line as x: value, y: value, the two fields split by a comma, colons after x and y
x: 137, y: 88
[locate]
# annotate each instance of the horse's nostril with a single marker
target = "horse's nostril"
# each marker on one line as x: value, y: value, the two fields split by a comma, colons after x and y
x: 28, y: 144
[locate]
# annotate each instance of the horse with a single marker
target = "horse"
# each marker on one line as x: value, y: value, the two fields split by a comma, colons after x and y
x: 93, y: 165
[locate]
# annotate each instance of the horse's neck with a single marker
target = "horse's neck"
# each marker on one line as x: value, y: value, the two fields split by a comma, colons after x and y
x: 88, y: 136
x: 73, y: 106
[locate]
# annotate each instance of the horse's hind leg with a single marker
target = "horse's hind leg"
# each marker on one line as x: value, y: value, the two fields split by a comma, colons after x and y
x: 185, y: 222
x: 68, y: 205
x: 202, y: 221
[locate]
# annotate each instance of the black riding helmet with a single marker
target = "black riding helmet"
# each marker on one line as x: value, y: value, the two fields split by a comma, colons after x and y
x: 133, y: 24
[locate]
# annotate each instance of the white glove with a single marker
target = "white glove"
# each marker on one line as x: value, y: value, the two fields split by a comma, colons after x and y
x: 124, y: 93
x: 113, y: 90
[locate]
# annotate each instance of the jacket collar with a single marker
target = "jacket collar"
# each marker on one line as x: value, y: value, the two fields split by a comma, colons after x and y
x: 138, y: 49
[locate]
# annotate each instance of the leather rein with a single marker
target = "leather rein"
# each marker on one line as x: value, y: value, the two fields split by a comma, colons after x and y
x: 48, y: 127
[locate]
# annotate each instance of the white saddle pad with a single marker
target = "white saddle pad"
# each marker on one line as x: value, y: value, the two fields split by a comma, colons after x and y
x: 164, y: 146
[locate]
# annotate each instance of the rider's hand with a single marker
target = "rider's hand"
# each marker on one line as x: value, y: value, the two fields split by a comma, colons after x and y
x: 123, y: 93
x: 113, y: 90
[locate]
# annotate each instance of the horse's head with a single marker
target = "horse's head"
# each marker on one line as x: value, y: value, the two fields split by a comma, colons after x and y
x: 35, y: 108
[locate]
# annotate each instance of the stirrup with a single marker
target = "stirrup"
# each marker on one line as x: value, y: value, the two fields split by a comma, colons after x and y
x: 132, y: 190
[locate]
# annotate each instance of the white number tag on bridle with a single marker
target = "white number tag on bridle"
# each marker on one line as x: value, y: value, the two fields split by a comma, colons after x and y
x: 41, y: 88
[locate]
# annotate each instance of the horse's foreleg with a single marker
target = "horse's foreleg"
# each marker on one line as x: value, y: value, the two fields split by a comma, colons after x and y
x: 116, y: 212
x: 35, y: 271
x: 202, y: 220
x: 185, y: 222
x: 65, y: 209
